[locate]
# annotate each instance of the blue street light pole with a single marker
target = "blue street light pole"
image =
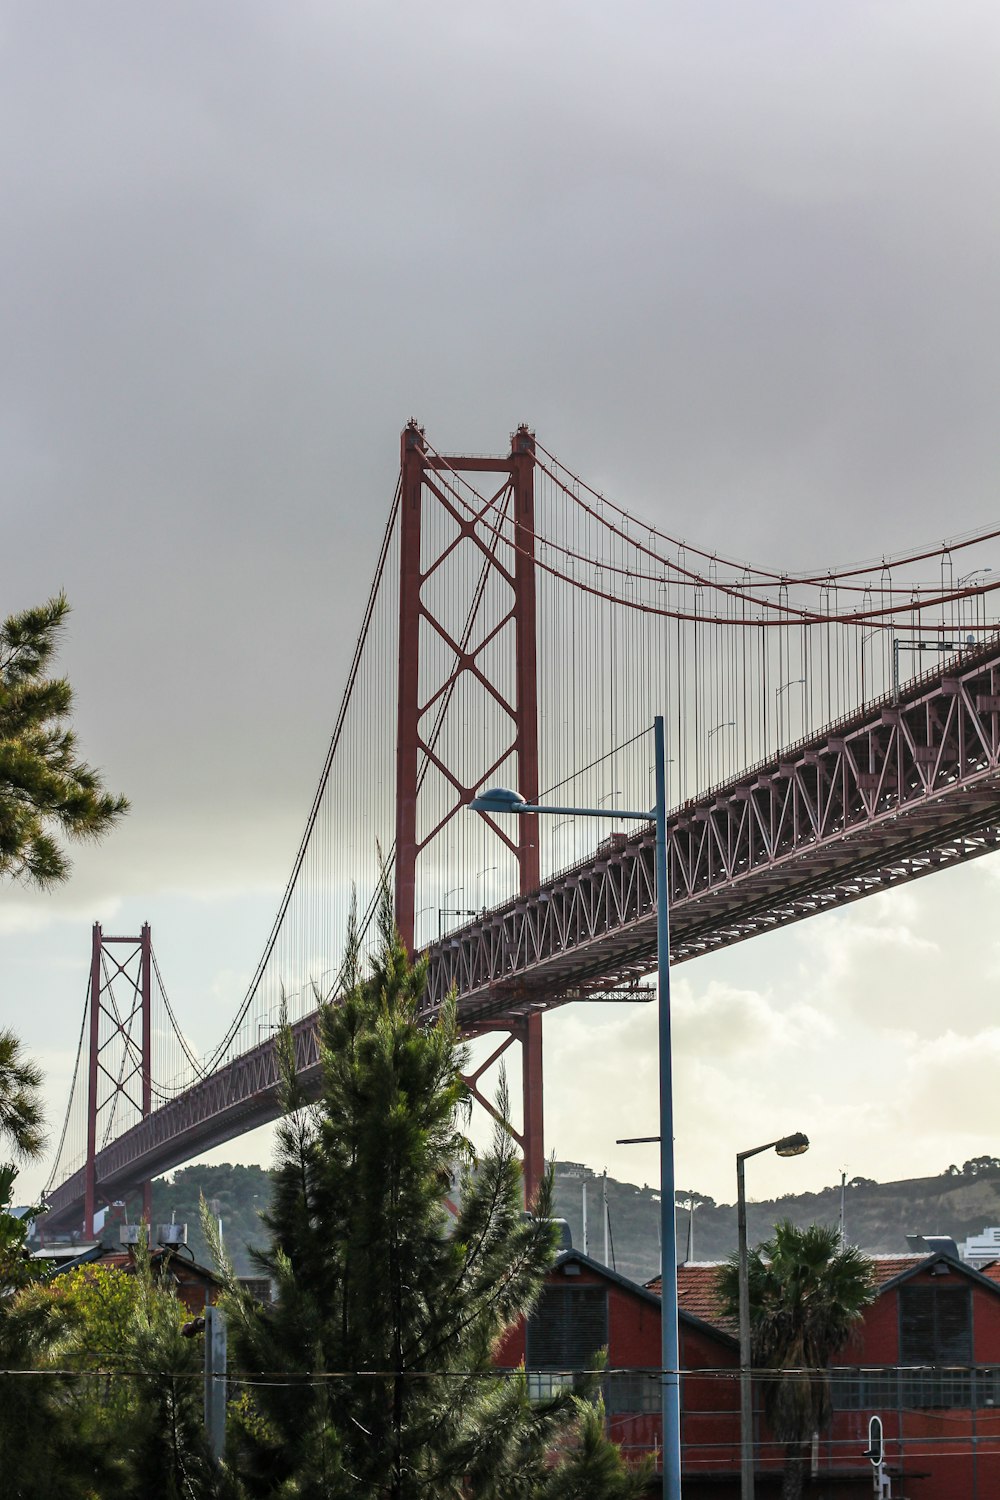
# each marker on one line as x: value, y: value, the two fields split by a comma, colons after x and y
x: 500, y: 799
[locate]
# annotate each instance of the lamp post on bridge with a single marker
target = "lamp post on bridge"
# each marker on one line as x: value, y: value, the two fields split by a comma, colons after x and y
x: 451, y: 911
x: 726, y: 724
x: 501, y: 800
x: 778, y: 693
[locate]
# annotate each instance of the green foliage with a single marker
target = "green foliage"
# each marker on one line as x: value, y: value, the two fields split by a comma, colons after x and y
x: 371, y: 1373
x: 165, y: 1440
x: 40, y: 1448
x: 15, y: 1268
x: 138, y: 1398
x: 592, y: 1466
x: 46, y: 791
x: 807, y: 1291
x: 512, y: 1448
x: 981, y: 1166
x: 21, y: 1115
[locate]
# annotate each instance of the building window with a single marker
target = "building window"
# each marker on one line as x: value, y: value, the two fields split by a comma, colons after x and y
x: 627, y: 1392
x: 882, y: 1389
x: 935, y: 1325
x: 565, y: 1333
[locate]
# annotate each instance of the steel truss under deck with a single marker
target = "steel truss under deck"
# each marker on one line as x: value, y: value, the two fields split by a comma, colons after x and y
x: 904, y: 788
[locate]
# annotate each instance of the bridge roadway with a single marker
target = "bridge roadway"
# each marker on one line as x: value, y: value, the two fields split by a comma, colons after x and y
x: 901, y: 789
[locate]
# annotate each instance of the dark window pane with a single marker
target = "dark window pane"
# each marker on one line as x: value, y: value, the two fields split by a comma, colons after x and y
x: 630, y: 1391
x: 935, y: 1325
x: 567, y: 1328
x: 916, y: 1325
x: 954, y: 1326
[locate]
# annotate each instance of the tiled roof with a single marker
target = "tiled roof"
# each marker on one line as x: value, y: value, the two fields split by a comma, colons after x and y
x: 888, y: 1267
x: 696, y: 1293
x: 696, y: 1282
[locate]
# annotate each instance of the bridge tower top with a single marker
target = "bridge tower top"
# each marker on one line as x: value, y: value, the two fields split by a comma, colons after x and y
x: 431, y: 556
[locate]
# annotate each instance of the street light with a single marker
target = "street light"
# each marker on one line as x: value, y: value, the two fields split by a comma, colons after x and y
x: 973, y: 602
x: 726, y: 724
x: 778, y: 707
x: 789, y: 1145
x: 501, y: 800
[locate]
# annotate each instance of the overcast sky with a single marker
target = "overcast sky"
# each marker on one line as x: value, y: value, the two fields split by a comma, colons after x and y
x: 735, y: 263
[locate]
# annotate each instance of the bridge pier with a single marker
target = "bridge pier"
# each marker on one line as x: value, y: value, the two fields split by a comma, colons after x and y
x: 531, y: 1139
x: 532, y: 1116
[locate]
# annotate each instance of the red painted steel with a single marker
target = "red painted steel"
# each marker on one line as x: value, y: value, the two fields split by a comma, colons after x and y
x: 228, y: 1103
x: 408, y: 709
x: 525, y: 616
x: 904, y: 789
x: 899, y: 792
x: 421, y: 485
x: 109, y: 1084
x: 90, y: 1190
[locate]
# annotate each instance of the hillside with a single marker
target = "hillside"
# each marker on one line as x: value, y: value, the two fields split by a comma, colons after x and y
x: 878, y: 1216
x: 235, y: 1195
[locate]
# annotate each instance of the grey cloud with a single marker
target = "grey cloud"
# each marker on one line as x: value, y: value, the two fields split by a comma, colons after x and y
x: 736, y: 264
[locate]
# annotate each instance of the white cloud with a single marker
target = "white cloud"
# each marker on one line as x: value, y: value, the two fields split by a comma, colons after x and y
x: 40, y: 912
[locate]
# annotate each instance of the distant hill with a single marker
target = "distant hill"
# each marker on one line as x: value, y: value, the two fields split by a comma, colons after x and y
x: 878, y: 1216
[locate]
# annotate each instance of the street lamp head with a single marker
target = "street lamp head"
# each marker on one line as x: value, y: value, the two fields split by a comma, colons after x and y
x: 499, y: 799
x: 793, y: 1145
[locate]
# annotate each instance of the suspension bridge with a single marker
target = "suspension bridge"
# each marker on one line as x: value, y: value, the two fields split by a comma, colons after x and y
x: 830, y: 733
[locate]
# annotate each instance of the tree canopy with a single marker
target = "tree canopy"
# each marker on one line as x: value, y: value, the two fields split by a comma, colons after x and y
x: 47, y: 794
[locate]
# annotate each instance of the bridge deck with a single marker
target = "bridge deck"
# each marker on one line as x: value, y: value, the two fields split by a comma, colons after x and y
x: 900, y: 790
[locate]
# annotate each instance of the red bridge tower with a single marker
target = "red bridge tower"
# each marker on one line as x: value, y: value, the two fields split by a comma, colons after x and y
x: 429, y: 481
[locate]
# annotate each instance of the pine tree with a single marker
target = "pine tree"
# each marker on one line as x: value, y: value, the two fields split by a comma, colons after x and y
x: 164, y: 1440
x: 371, y: 1375
x: 21, y: 1114
x: 45, y: 790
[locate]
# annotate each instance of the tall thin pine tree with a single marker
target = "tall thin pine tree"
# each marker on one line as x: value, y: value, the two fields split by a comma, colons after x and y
x: 370, y: 1375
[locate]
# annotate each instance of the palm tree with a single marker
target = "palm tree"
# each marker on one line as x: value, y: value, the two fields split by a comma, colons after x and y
x: 807, y: 1291
x: 21, y: 1115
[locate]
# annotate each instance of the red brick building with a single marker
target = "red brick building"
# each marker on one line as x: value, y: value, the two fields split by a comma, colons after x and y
x: 925, y: 1359
x: 586, y: 1307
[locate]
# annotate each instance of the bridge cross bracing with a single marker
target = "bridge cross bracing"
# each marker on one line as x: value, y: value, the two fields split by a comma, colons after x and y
x: 881, y: 783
